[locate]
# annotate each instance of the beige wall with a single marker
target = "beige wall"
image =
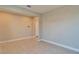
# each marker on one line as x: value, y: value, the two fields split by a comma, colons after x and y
x: 14, y: 26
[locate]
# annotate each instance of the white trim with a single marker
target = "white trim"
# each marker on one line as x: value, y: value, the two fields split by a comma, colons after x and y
x: 22, y: 38
x: 61, y: 45
x: 36, y: 20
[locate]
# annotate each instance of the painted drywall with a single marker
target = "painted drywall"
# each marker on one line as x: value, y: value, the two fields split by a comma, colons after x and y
x: 14, y: 26
x: 17, y: 10
x: 61, y: 26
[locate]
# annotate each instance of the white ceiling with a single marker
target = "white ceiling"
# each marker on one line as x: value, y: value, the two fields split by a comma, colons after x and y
x: 41, y: 8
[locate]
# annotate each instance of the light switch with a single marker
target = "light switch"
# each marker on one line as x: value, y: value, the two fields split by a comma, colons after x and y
x: 28, y: 26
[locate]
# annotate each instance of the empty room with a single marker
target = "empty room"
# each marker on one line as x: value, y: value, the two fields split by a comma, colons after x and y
x: 39, y: 29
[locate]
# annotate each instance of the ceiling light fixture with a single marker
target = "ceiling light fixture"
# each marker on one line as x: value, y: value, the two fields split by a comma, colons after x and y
x: 29, y: 6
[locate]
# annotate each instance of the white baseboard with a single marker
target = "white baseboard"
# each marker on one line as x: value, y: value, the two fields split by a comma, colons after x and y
x: 61, y: 45
x: 22, y: 38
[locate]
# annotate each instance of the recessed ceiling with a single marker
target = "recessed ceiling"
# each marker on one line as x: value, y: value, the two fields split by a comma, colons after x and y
x: 41, y: 8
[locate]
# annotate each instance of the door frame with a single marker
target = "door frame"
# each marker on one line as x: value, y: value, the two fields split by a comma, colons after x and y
x: 36, y: 26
